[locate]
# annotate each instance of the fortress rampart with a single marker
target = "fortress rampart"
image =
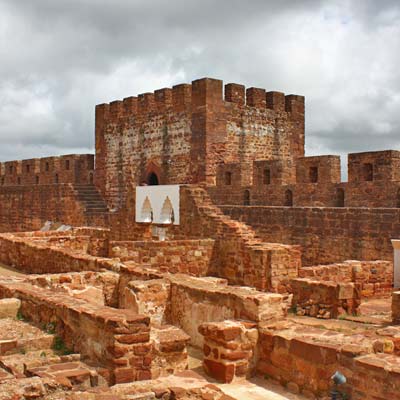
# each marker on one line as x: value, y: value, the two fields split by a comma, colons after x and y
x: 180, y: 135
x: 71, y: 168
x: 374, y: 181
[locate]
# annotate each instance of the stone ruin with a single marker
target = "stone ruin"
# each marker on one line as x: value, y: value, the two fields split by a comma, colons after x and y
x: 198, y: 253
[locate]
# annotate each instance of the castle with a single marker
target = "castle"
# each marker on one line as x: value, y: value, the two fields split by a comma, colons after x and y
x: 263, y: 242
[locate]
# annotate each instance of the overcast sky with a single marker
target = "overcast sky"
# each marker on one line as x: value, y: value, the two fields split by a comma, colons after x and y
x: 59, y: 58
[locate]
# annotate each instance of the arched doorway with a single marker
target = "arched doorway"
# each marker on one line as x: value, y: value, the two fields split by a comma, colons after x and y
x: 152, y: 179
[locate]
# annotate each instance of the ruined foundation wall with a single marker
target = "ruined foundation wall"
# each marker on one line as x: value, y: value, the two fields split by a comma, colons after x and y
x: 40, y: 258
x: 327, y: 234
x: 373, y: 278
x: 307, y: 364
x: 114, y: 338
x: 176, y: 256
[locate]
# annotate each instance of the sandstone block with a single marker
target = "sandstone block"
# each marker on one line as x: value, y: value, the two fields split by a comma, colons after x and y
x: 9, y: 308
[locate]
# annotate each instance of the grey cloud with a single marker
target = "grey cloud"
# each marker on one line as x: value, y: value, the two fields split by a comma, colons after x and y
x: 60, y: 58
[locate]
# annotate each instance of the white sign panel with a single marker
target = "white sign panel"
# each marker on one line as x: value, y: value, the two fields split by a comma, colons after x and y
x: 157, y: 204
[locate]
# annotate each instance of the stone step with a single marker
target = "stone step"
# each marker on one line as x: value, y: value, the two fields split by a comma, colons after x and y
x: 19, y: 336
x: 73, y: 374
x: 17, y: 364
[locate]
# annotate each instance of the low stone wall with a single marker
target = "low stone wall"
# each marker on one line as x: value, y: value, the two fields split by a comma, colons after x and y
x: 324, y: 299
x: 116, y: 339
x: 229, y: 349
x: 305, y: 363
x: 195, y: 301
x: 373, y: 278
x: 95, y: 287
x: 191, y: 257
x: 29, y: 256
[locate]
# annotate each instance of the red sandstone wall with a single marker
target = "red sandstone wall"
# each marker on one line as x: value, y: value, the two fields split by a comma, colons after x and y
x: 71, y: 168
x: 237, y: 256
x: 176, y: 256
x: 312, y: 181
x: 373, y: 278
x: 27, y: 208
x: 181, y: 134
x: 326, y: 234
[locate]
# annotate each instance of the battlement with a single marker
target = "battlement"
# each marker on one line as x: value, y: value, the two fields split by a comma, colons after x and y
x: 179, y: 135
x: 201, y: 91
x: 374, y: 166
x: 70, y: 168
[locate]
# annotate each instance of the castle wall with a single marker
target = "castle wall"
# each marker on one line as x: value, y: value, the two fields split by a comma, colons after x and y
x: 327, y: 235
x: 70, y: 168
x: 182, y: 134
x: 27, y: 208
x: 313, y: 182
x: 354, y: 194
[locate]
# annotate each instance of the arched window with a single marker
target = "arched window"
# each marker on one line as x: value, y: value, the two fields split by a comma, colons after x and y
x: 56, y: 178
x: 339, y: 197
x: 246, y: 197
x: 368, y: 172
x: 288, y: 198
x: 267, y: 176
x: 67, y: 164
x: 313, y: 174
x: 91, y: 178
x: 47, y: 166
x: 228, y: 178
x: 28, y: 168
x: 37, y: 180
x: 19, y: 180
x: 146, y: 213
x: 167, y: 212
x: 152, y: 179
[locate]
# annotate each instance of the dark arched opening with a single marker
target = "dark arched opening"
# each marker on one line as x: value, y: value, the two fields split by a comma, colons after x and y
x: 246, y: 198
x: 339, y: 197
x: 91, y: 178
x: 288, y: 198
x: 152, y: 179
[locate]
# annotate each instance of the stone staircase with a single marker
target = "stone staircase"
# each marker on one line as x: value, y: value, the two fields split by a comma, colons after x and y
x: 223, y: 223
x: 243, y: 257
x: 91, y: 199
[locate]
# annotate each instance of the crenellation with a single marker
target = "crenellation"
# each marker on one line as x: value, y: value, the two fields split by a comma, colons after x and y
x: 256, y: 97
x: 317, y: 169
x: 181, y: 97
x: 163, y: 100
x: 116, y: 110
x: 235, y: 93
x: 130, y: 105
x: 146, y: 104
x: 294, y: 104
x: 275, y: 101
